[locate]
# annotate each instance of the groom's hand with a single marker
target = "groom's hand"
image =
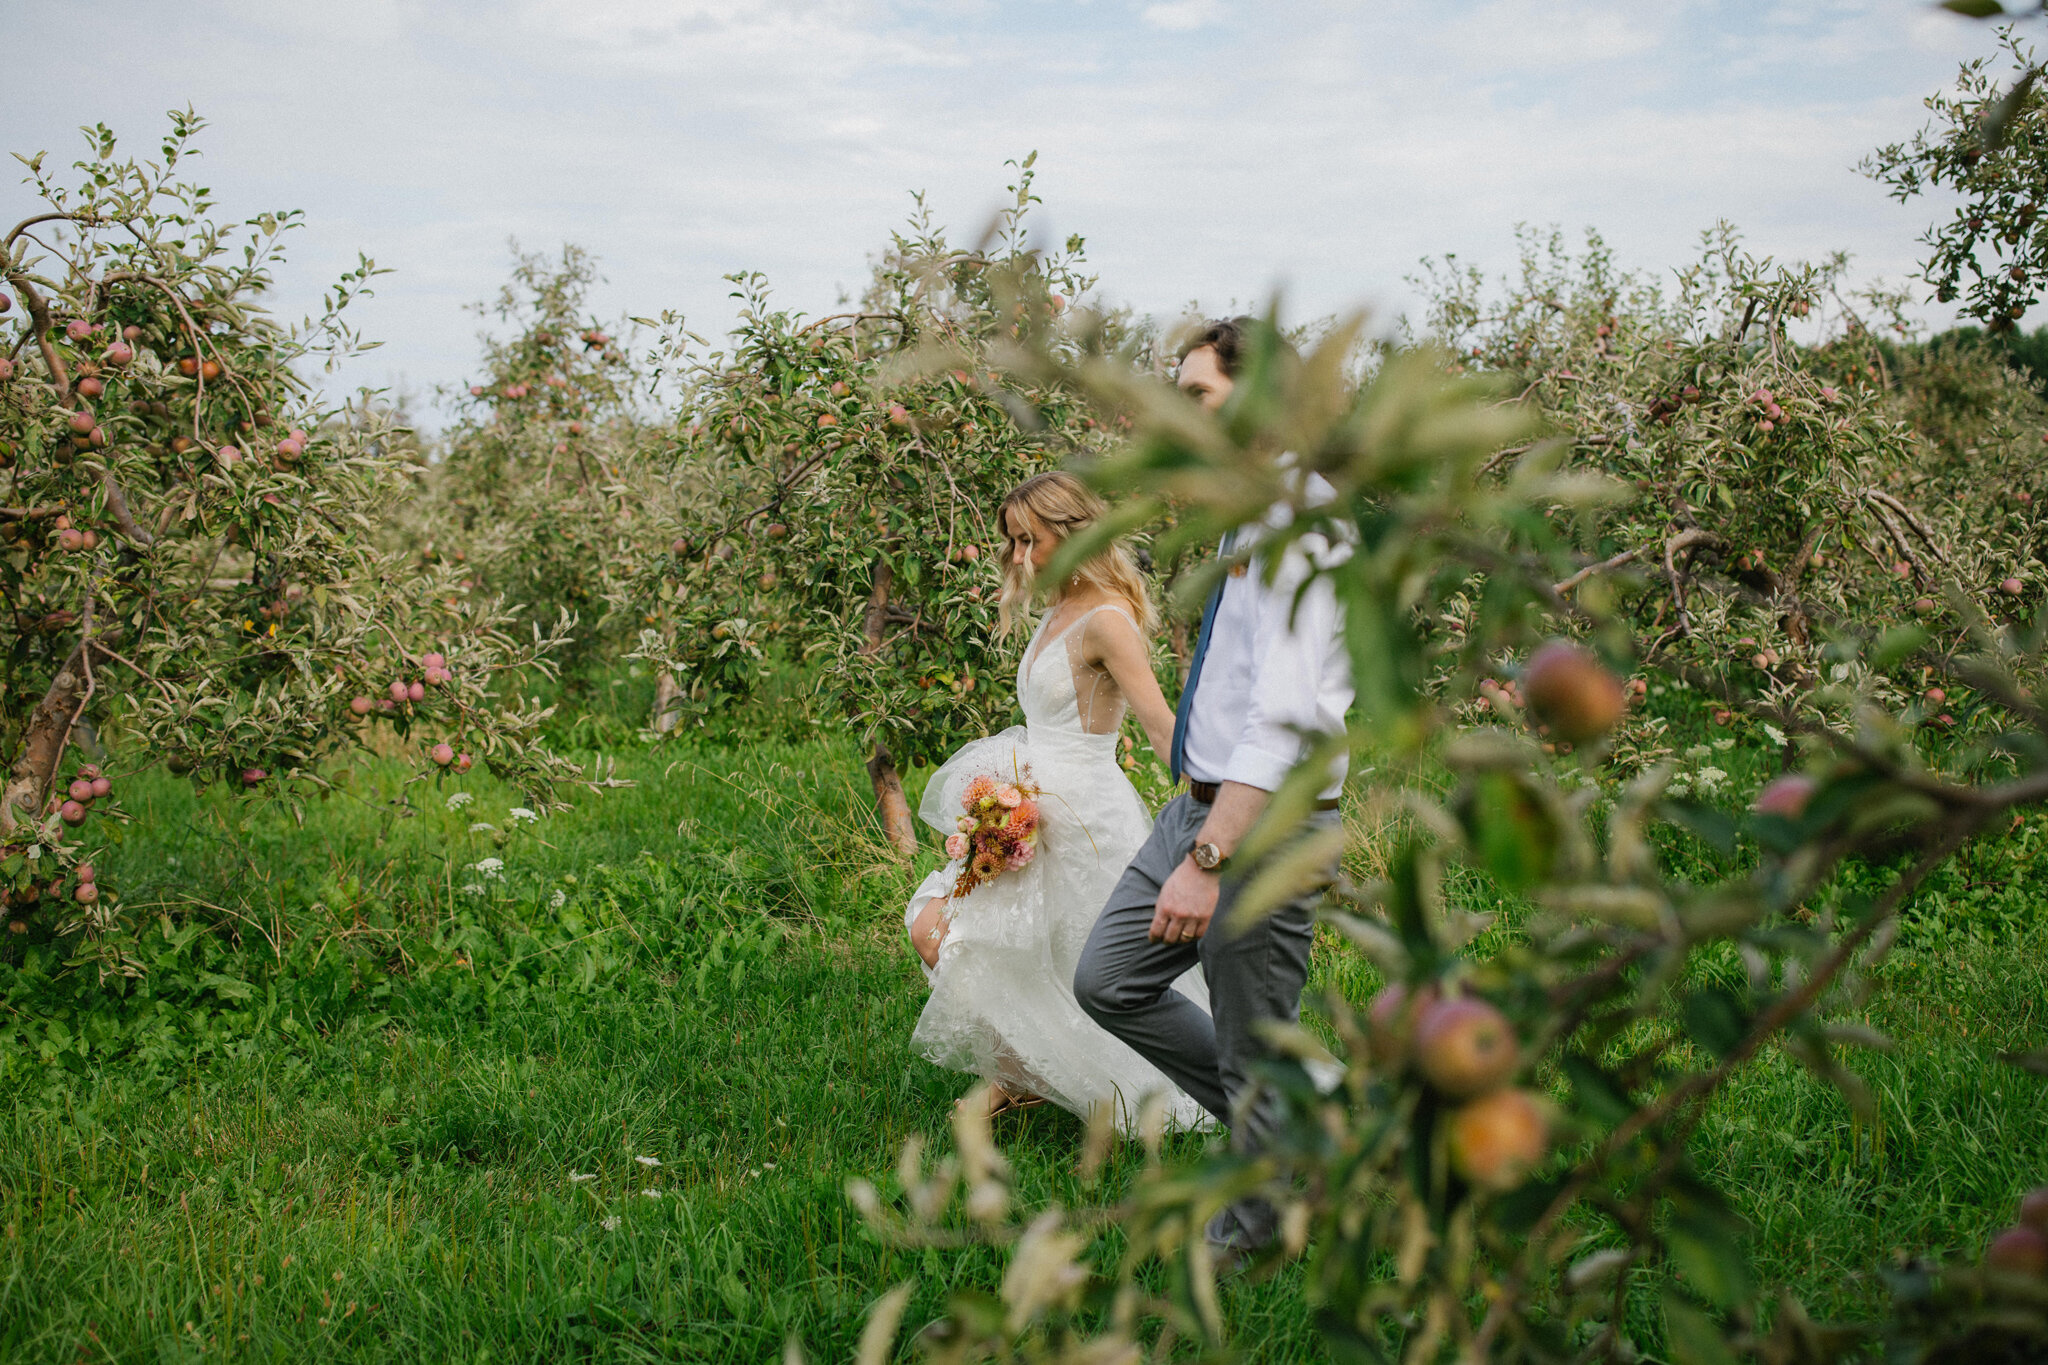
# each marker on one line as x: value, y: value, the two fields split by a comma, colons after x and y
x: 1186, y: 905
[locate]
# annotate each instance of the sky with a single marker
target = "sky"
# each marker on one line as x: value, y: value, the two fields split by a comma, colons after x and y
x: 1209, y: 151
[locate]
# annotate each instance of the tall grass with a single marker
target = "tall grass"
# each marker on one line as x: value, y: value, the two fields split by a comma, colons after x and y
x: 378, y: 1099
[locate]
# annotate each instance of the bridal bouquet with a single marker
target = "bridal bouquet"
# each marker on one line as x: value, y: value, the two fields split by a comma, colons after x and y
x: 997, y: 831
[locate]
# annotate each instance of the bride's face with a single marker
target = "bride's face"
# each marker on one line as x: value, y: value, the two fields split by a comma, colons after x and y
x: 1032, y: 542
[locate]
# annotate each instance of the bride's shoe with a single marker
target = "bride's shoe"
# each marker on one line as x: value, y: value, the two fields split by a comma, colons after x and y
x: 1001, y: 1099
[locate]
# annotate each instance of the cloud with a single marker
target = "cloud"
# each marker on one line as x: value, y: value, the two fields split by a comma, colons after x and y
x: 1183, y: 16
x: 681, y: 140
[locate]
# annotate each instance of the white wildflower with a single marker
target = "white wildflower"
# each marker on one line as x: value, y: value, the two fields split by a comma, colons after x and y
x: 1724, y: 745
x: 581, y: 1177
x: 650, y: 1194
x: 1710, y: 779
x: 490, y: 869
x: 648, y: 1160
x: 1698, y: 752
x: 471, y: 889
x: 1776, y: 735
x: 457, y: 800
x: 610, y: 1224
x: 558, y: 900
x: 523, y: 815
x: 482, y: 827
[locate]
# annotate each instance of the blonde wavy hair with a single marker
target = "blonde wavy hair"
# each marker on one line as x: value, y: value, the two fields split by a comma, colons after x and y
x: 1063, y: 505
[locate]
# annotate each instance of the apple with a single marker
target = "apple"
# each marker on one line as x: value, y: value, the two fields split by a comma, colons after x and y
x: 89, y: 387
x: 86, y: 893
x: 253, y: 777
x: 462, y: 763
x: 5, y: 303
x: 2012, y: 587
x: 1391, y: 1021
x: 102, y: 786
x: 899, y: 415
x: 78, y: 329
x: 399, y: 691
x: 2034, y: 1210
x: 72, y: 813
x: 80, y: 790
x: 830, y: 419
x: 839, y: 388
x: 1786, y: 796
x: 476, y: 390
x: 1498, y: 1139
x: 360, y: 705
x: 1571, y: 691
x: 6, y: 368
x: 1465, y: 1047
x: 416, y: 691
x: 118, y: 354
x: 188, y: 365
x: 84, y: 872
x: 131, y: 332
x: 1935, y: 696
x: 777, y: 531
x: 210, y: 369
x: 575, y: 428
x: 433, y: 661
x: 442, y: 753
x: 82, y: 421
x: 2021, y: 1250
x: 71, y: 540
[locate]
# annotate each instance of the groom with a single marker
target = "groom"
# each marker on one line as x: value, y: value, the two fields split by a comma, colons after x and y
x: 1269, y: 670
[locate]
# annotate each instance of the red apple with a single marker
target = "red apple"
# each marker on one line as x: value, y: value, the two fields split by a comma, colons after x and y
x: 86, y: 893
x: 72, y: 813
x: 2012, y: 587
x: 443, y: 754
x: 2034, y: 1210
x: 84, y: 872
x: 1391, y: 1021
x: 89, y: 387
x: 416, y: 691
x: 118, y: 354
x: 462, y: 762
x: 2021, y: 1250
x: 101, y: 786
x: 1465, y: 1046
x: 80, y: 790
x: 1786, y: 796
x: 360, y: 705
x: 1498, y: 1139
x: 1935, y: 696
x: 253, y: 777
x: 899, y: 415
x: 1571, y: 691
x: 78, y: 329
x: 82, y: 421
x: 399, y: 691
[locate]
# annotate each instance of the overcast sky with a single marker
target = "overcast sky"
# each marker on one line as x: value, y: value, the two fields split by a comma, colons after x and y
x: 1208, y: 150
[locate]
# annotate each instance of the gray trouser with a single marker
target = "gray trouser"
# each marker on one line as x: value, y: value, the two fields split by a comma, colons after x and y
x: 1255, y: 972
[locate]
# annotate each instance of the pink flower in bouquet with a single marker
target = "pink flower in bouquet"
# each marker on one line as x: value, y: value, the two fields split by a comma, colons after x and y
x: 978, y: 791
x: 956, y: 845
x: 1009, y: 798
x: 965, y: 824
x: 1025, y: 817
x: 1023, y: 856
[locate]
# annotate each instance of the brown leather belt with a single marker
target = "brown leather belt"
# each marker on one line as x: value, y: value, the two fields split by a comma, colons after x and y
x: 1205, y: 792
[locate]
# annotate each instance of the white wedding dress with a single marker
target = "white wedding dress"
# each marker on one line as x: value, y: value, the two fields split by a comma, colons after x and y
x: 1002, y: 995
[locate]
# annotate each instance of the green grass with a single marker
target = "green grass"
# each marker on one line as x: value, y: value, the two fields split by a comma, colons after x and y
x: 340, y: 1115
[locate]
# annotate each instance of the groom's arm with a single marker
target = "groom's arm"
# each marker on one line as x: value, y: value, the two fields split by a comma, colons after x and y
x: 1187, y: 902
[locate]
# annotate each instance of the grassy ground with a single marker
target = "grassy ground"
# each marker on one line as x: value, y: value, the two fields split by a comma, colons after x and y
x: 360, y: 1139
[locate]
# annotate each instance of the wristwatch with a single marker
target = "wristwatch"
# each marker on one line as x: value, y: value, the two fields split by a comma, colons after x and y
x: 1207, y: 856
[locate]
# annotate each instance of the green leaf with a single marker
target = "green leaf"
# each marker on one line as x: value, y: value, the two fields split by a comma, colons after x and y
x: 1510, y: 830
x: 1997, y: 120
x: 1895, y: 644
x: 1974, y: 9
x: 1715, y: 1019
x: 1692, y: 1335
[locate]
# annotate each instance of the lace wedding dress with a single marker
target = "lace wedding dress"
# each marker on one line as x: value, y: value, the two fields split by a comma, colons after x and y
x: 1002, y: 1003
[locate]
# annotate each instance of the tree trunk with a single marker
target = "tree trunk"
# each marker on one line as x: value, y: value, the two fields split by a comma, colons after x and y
x: 890, y: 802
x: 42, y: 747
x: 668, y: 702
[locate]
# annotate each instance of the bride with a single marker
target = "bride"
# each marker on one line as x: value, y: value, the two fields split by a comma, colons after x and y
x: 1001, y: 957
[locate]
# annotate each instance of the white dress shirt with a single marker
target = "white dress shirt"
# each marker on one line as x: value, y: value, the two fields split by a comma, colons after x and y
x: 1276, y: 674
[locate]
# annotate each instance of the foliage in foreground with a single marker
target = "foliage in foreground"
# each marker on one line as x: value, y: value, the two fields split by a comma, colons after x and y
x: 1512, y: 1141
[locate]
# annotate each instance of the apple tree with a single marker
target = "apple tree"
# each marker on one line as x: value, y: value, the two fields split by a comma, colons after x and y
x: 187, y: 554
x: 834, y: 491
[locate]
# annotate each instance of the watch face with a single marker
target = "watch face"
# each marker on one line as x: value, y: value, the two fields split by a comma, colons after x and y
x: 1207, y: 856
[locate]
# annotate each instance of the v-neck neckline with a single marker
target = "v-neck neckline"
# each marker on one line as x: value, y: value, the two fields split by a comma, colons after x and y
x: 1038, y: 647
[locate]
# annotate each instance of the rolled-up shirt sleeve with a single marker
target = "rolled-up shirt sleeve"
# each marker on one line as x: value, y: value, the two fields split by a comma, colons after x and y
x: 1294, y: 636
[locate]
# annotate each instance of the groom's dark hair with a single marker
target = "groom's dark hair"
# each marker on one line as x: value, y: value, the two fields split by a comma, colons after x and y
x: 1229, y: 338
x: 1226, y: 336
